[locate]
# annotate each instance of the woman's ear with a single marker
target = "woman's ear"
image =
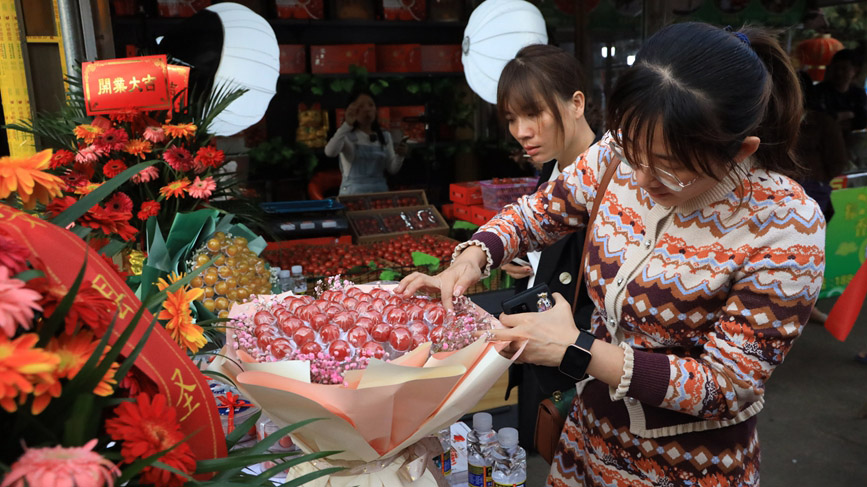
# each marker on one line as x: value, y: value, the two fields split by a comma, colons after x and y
x: 578, y: 104
x: 749, y: 147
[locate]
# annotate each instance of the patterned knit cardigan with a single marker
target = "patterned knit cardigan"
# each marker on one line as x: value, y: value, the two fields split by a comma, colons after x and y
x: 705, y: 298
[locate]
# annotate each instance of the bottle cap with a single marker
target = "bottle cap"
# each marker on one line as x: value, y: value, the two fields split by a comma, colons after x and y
x: 296, y: 269
x: 483, y: 422
x: 284, y: 273
x: 507, y: 437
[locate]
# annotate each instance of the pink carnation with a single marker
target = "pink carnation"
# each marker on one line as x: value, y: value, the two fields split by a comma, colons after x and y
x: 155, y: 134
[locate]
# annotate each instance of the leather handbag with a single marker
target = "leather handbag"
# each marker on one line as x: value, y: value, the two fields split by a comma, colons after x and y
x: 553, y: 411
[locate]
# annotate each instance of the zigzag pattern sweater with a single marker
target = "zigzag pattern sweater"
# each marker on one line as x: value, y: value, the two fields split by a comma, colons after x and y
x: 706, y: 298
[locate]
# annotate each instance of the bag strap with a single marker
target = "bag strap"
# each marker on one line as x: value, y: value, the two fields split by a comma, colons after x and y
x: 600, y: 193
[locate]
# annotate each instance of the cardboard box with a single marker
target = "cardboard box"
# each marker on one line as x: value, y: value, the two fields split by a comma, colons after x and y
x: 466, y: 193
x: 481, y: 215
x: 389, y: 199
x: 336, y: 59
x: 300, y: 9
x: 441, y: 58
x: 181, y: 8
x: 398, y: 58
x: 463, y: 212
x: 293, y: 58
x: 376, y: 225
x: 448, y: 211
x: 403, y: 10
x: 408, y: 120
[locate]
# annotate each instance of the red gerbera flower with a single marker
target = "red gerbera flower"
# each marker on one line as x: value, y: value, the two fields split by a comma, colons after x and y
x: 146, y: 427
x: 109, y: 222
x: 59, y: 205
x: 12, y: 254
x: 179, y: 158
x: 209, y: 157
x: 113, y: 167
x: 113, y: 139
x: 119, y: 202
x: 90, y: 308
x: 148, y: 209
x: 129, y: 115
x: 62, y: 158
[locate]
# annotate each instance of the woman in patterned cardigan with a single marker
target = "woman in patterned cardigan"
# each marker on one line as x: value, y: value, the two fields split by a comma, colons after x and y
x: 704, y: 262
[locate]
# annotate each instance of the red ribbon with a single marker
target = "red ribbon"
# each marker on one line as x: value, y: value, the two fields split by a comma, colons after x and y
x: 232, y: 401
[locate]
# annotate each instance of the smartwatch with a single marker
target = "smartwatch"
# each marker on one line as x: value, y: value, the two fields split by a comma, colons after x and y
x: 577, y: 356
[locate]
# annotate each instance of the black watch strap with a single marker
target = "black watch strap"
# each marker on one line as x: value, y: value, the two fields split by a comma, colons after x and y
x: 577, y: 356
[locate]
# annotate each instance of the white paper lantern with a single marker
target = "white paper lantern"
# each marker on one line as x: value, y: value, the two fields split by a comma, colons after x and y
x: 250, y: 59
x: 496, y: 31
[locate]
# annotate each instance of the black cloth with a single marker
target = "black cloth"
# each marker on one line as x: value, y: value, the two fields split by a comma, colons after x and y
x: 825, y: 98
x: 536, y: 383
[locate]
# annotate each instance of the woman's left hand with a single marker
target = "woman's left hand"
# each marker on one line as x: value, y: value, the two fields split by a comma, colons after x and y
x: 547, y: 333
x: 401, y: 149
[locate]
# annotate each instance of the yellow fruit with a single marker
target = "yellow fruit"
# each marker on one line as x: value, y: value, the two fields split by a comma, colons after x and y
x: 210, y: 279
x: 220, y: 235
x: 220, y: 260
x: 214, y: 244
x: 209, y: 304
x: 243, y: 293
x: 209, y: 292
x: 220, y: 287
x: 197, y: 281
x: 202, y: 259
x: 245, y: 279
x: 240, y: 242
x: 232, y: 262
x: 222, y: 303
x: 231, y: 250
x: 232, y: 294
x: 259, y: 266
x: 243, y: 268
x: 223, y: 314
x: 232, y: 282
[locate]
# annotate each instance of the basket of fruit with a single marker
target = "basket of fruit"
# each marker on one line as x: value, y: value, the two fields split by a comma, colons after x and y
x: 374, y: 225
x: 379, y: 201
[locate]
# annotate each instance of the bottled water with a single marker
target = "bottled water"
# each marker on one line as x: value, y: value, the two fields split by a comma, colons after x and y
x: 510, y: 460
x: 284, y: 277
x: 444, y: 462
x: 299, y: 281
x: 481, y: 442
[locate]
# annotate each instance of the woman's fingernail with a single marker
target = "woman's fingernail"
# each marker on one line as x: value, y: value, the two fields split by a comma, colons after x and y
x: 458, y: 290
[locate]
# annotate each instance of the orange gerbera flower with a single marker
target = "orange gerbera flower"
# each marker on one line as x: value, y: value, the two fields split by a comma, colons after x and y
x: 138, y: 147
x: 176, y: 309
x: 25, y: 176
x: 86, y: 188
x: 175, y: 189
x: 88, y: 133
x: 90, y: 308
x: 146, y: 427
x: 74, y: 351
x: 180, y: 130
x: 20, y: 366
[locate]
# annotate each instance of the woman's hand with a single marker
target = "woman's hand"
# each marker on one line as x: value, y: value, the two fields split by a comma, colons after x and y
x: 465, y: 271
x: 402, y: 149
x: 517, y: 271
x: 547, y: 333
x: 351, y: 115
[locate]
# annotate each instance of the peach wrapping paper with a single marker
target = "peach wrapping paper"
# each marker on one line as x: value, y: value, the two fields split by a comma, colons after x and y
x: 382, y: 412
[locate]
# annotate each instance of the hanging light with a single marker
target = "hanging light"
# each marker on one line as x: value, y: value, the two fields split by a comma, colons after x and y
x: 495, y: 32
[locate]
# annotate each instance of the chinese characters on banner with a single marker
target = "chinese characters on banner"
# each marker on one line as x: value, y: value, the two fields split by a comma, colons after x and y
x: 125, y: 84
x: 179, y: 80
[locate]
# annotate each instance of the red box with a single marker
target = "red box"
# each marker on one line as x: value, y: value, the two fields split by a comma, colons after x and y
x: 178, y: 8
x: 481, y: 215
x: 499, y: 192
x: 404, y: 10
x: 448, y: 211
x: 293, y: 58
x: 338, y: 58
x: 463, y: 212
x: 352, y: 9
x: 468, y: 193
x: 382, y: 116
x: 409, y: 121
x: 300, y: 9
x: 398, y: 58
x: 441, y: 58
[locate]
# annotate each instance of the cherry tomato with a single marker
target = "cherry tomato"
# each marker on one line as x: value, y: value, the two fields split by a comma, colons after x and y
x: 374, y: 350
x: 303, y: 335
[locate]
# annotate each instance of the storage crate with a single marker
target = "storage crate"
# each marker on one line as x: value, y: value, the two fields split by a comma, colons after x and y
x: 467, y: 193
x: 373, y: 225
x: 481, y: 215
x: 378, y: 201
x: 499, y: 192
x: 463, y: 212
x: 448, y: 211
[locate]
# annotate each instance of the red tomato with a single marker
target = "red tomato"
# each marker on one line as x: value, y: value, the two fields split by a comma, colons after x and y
x: 340, y: 350
x: 317, y: 321
x: 295, y: 305
x: 311, y: 348
x: 264, y: 340
x: 280, y: 348
x: 350, y: 303
x: 380, y: 332
x: 329, y: 333
x: 396, y: 316
x: 378, y: 304
x: 373, y: 315
x: 357, y: 336
x: 264, y: 318
x: 415, y: 312
x: 263, y: 330
x: 306, y: 312
x: 354, y: 292
x: 345, y: 319
x: 365, y: 322
x: 333, y: 310
x: 363, y: 307
x: 373, y: 349
x: 400, y: 339
x: 289, y: 324
x: 417, y: 340
x: 303, y: 335
x: 435, y: 315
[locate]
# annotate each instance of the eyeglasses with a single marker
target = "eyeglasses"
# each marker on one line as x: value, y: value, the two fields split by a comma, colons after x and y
x: 670, y: 180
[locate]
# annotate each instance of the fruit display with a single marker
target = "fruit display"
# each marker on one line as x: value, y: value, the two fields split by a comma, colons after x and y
x: 375, y: 225
x: 379, y: 201
x: 399, y: 250
x: 499, y: 192
x: 343, y: 328
x: 237, y: 273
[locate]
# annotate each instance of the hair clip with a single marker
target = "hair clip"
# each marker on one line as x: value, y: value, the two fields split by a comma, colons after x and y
x: 740, y: 35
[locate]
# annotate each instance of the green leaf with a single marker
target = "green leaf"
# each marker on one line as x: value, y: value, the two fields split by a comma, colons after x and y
x: 94, y: 197
x: 372, y: 265
x: 229, y: 463
x: 464, y: 225
x: 388, y: 275
x: 375, y: 89
x: 238, y: 433
x: 336, y: 85
x: 76, y: 430
x: 423, y: 259
x: 159, y: 464
x: 316, y: 90
x: 413, y: 88
x: 112, y: 248
x: 28, y: 275
x: 53, y: 323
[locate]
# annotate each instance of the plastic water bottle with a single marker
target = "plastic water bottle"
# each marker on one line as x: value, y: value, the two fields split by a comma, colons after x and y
x: 284, y: 277
x: 444, y: 462
x: 510, y: 460
x: 299, y: 281
x: 481, y: 442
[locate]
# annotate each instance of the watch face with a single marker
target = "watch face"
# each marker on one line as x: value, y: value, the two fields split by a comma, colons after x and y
x: 575, y: 362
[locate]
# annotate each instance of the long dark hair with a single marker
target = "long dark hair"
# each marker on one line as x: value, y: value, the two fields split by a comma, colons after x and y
x: 540, y: 72
x: 707, y: 89
x: 355, y: 95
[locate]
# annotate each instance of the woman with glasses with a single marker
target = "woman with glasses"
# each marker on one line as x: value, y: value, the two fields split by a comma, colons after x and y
x: 704, y: 261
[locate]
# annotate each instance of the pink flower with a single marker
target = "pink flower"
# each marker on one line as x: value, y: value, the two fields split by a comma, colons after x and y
x: 179, y: 158
x: 202, y: 188
x: 12, y: 254
x: 146, y: 175
x: 62, y: 467
x: 155, y: 134
x: 88, y: 155
x: 16, y: 303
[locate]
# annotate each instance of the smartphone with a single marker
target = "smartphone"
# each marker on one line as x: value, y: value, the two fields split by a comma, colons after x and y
x: 519, y: 261
x: 527, y: 301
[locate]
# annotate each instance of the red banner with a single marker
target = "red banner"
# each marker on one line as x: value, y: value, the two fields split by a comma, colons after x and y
x: 179, y: 81
x: 128, y: 83
x: 161, y: 359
